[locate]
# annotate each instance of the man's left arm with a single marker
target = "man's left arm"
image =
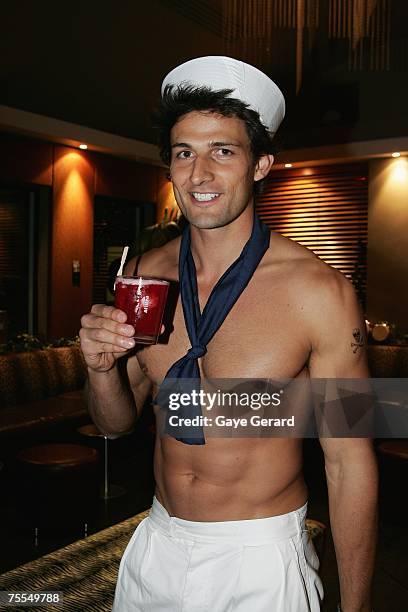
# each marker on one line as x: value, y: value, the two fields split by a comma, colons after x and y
x: 339, y: 351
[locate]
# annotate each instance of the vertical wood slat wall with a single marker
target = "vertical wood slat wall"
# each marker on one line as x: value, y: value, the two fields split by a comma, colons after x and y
x: 14, y: 229
x: 323, y: 208
x: 14, y: 236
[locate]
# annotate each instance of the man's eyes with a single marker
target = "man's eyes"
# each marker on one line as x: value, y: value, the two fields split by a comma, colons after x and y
x: 219, y: 152
x: 184, y: 154
x: 224, y: 152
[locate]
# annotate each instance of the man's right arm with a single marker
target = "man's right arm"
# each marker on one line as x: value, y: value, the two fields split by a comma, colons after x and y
x: 115, y: 394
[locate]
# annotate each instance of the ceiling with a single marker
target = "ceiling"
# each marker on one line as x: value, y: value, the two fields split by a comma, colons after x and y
x: 100, y: 64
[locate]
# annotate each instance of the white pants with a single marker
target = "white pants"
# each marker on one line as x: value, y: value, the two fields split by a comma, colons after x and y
x: 258, y: 565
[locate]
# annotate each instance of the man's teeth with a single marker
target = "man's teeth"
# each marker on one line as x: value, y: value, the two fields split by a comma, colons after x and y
x: 205, y: 197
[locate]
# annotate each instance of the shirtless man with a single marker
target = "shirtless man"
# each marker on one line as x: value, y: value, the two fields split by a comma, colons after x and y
x: 226, y: 531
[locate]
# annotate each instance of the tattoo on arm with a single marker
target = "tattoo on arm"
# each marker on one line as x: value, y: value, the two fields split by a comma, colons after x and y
x: 359, y: 340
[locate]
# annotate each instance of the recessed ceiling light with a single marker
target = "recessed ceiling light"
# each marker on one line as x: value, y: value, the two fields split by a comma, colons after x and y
x: 288, y: 165
x: 83, y: 146
x: 396, y: 154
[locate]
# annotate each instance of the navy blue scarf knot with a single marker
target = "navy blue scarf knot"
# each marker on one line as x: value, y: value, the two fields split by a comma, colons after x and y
x: 196, y: 351
x: 201, y: 327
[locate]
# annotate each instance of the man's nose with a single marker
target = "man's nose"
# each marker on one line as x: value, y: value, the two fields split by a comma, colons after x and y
x: 200, y: 171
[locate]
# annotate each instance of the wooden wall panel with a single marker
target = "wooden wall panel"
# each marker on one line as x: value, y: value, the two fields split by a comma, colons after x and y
x: 72, y: 238
x: 122, y: 178
x: 76, y: 177
x: 13, y: 236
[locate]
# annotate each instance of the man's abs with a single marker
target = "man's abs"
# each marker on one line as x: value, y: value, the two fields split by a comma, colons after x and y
x: 228, y: 479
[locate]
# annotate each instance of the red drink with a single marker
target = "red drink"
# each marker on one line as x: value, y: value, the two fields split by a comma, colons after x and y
x: 143, y: 299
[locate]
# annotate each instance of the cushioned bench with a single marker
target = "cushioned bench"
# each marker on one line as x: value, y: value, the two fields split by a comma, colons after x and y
x: 41, y: 387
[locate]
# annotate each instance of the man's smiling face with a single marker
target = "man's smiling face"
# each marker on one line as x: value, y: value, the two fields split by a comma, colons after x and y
x: 212, y: 168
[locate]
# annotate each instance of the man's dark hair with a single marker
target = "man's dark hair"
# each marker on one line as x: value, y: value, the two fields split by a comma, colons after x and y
x: 182, y: 99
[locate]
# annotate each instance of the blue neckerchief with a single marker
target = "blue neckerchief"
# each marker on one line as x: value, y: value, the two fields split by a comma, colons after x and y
x: 202, y: 327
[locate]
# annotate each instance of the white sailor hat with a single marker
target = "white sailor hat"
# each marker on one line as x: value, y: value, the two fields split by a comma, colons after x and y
x: 249, y: 84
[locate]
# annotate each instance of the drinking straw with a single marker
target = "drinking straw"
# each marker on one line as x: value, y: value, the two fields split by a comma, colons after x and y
x: 122, y: 261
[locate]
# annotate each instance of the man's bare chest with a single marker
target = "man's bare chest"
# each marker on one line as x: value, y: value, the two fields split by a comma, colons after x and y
x: 262, y: 336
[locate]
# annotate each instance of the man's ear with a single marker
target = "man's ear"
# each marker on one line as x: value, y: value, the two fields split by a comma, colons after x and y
x: 262, y: 167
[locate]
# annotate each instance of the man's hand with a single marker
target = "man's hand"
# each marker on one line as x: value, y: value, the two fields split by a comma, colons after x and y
x: 105, y: 337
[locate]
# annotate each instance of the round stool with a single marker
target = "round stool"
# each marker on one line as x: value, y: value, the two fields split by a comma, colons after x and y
x: 61, y: 480
x: 108, y: 490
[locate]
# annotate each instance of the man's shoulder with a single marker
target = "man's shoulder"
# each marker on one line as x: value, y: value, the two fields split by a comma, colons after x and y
x: 161, y: 261
x: 313, y: 280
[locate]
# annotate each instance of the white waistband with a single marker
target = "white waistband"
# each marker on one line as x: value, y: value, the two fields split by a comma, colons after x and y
x: 248, y: 532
